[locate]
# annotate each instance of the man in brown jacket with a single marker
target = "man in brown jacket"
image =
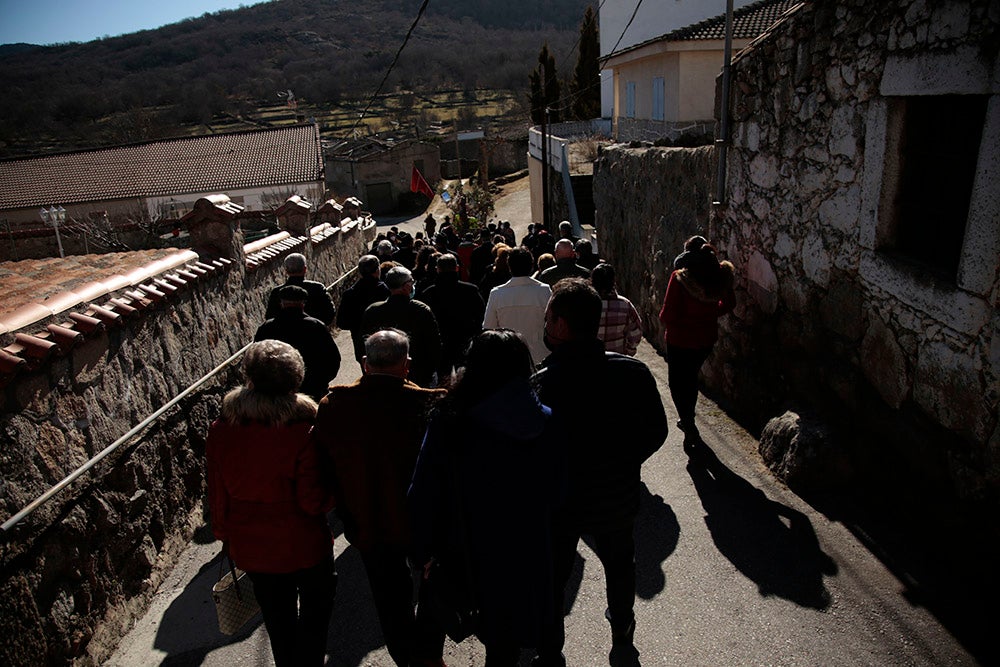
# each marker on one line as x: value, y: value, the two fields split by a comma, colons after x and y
x: 371, y: 431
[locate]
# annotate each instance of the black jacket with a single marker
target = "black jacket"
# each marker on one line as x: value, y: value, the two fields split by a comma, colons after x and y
x: 417, y: 320
x: 353, y: 303
x: 318, y: 305
x: 459, y: 309
x: 610, y: 409
x: 313, y: 341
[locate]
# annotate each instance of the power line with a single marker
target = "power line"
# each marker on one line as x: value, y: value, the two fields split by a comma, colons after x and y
x: 402, y: 46
x: 572, y: 97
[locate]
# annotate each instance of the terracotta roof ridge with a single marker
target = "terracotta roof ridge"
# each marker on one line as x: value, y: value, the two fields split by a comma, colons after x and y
x: 152, y: 283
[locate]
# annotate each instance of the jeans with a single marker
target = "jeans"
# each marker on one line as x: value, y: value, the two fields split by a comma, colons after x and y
x: 296, y: 607
x: 684, y: 365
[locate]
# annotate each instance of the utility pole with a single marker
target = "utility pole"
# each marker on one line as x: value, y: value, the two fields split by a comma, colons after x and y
x: 54, y: 217
x: 723, y: 141
x: 545, y: 171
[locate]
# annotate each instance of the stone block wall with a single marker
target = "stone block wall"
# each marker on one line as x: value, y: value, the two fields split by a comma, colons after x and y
x: 904, y: 364
x: 82, y: 568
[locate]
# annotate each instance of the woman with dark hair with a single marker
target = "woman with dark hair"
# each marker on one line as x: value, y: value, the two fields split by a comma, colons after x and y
x: 268, y: 504
x: 498, y: 273
x: 489, y: 465
x: 697, y: 296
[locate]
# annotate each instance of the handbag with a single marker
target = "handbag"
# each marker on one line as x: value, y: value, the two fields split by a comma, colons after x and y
x: 235, y: 603
x: 448, y: 595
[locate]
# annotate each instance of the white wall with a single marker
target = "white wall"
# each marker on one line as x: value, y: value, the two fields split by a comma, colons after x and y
x: 653, y: 19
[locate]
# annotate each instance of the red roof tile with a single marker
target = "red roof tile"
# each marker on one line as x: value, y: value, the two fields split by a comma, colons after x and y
x: 214, y: 163
x: 749, y: 21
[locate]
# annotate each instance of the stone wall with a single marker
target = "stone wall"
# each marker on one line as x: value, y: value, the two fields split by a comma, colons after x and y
x: 904, y: 364
x: 83, y: 567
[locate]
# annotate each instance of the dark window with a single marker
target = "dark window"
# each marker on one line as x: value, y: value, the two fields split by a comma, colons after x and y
x: 419, y: 164
x: 931, y: 160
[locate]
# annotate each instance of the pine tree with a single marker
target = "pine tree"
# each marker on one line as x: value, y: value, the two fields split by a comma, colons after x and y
x: 550, y: 82
x: 586, y: 87
x: 544, y: 88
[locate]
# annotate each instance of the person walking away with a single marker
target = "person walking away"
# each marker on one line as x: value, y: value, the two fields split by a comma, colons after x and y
x: 401, y: 311
x: 307, y: 335
x: 458, y: 308
x: 492, y: 433
x: 519, y: 304
x: 319, y: 304
x: 603, y: 466
x: 268, y: 503
x: 566, y: 266
x: 621, y: 326
x: 372, y: 459
x: 368, y: 289
x: 696, y: 297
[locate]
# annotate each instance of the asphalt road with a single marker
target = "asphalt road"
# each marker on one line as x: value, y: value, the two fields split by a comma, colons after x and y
x: 733, y: 569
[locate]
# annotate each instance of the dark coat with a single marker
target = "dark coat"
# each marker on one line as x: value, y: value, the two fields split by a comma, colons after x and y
x: 353, y: 303
x: 318, y: 305
x: 371, y: 432
x: 609, y: 407
x: 417, y: 320
x: 564, y: 268
x: 505, y: 454
x: 458, y: 307
x: 313, y: 341
x: 264, y: 484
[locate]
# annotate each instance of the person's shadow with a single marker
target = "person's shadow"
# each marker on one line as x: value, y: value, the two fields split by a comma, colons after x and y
x: 656, y: 533
x: 774, y: 545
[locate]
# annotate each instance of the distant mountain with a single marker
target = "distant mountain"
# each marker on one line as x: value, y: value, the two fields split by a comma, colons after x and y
x: 154, y: 81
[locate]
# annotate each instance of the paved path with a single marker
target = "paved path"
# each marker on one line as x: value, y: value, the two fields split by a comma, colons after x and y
x: 733, y: 569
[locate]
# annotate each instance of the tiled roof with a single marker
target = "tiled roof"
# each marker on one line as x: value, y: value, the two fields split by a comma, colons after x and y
x: 213, y: 163
x: 749, y: 22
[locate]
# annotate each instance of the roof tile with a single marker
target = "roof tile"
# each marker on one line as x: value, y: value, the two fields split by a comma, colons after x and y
x: 219, y: 162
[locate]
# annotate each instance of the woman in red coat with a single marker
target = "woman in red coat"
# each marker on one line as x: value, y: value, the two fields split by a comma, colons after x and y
x: 268, y: 504
x: 697, y: 296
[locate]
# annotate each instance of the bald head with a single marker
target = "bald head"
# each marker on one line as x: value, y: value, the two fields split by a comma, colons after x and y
x: 564, y: 249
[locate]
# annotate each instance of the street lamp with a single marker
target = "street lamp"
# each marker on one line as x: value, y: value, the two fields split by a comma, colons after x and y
x: 54, y: 217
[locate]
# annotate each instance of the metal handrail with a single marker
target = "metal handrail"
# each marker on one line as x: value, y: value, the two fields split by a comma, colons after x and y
x: 45, y: 497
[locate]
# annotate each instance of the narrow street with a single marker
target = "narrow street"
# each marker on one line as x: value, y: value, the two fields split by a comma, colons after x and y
x: 733, y: 569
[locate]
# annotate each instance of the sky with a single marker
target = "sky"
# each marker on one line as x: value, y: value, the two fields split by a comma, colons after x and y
x: 54, y: 21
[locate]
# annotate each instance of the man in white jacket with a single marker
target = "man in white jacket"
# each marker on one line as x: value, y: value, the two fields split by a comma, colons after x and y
x: 519, y: 304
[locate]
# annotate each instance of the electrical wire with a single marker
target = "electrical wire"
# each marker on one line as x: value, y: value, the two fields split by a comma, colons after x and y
x: 402, y: 46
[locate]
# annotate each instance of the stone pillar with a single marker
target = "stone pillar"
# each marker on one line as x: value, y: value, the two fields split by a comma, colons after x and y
x: 331, y: 212
x: 215, y: 229
x: 293, y: 216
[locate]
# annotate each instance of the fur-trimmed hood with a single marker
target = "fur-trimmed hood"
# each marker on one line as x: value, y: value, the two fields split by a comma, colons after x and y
x: 244, y: 404
x: 702, y: 292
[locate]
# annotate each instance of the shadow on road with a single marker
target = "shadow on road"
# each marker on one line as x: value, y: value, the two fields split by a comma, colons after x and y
x: 772, y: 544
x: 656, y: 535
x: 189, y: 630
x: 354, y: 628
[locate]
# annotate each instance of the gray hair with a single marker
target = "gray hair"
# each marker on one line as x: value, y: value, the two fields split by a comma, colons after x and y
x: 368, y: 265
x: 274, y: 368
x: 387, y: 348
x: 295, y: 263
x: 397, y: 276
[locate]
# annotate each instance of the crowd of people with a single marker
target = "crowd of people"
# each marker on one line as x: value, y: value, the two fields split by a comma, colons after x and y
x: 460, y: 445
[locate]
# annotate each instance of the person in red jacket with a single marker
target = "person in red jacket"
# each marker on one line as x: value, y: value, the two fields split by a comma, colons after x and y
x: 268, y: 503
x: 697, y: 296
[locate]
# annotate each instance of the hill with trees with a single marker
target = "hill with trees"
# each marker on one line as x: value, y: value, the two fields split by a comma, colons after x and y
x: 181, y: 78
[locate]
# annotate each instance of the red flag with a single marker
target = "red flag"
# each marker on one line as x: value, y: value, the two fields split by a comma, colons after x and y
x: 419, y: 184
